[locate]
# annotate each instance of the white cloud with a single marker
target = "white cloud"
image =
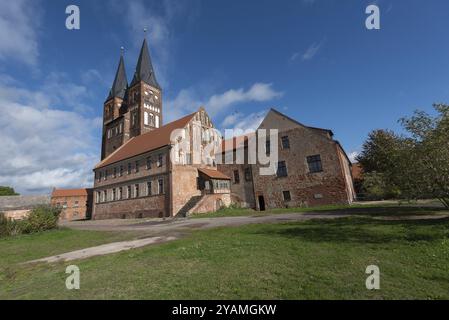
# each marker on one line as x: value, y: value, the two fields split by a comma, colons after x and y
x: 187, y: 101
x: 310, y: 52
x: 158, y: 18
x: 42, y: 146
x: 19, y: 22
x: 353, y: 155
x: 244, y: 122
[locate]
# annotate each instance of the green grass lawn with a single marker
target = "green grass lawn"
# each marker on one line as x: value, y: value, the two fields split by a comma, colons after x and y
x: 358, y: 208
x: 24, y: 248
x: 319, y: 259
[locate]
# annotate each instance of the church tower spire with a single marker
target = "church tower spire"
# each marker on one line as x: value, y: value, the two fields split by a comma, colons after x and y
x: 120, y: 84
x: 144, y: 96
x: 144, y: 69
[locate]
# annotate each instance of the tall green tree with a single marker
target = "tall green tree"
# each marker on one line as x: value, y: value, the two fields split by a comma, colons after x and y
x: 416, y: 165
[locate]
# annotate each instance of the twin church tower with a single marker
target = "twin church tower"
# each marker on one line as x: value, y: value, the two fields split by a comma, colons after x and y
x: 131, y: 109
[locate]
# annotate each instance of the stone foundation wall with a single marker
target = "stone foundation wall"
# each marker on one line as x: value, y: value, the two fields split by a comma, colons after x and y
x: 146, y: 207
x: 211, y: 203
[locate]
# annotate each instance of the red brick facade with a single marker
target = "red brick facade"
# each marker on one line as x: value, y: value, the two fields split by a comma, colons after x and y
x: 75, y: 204
x: 299, y: 186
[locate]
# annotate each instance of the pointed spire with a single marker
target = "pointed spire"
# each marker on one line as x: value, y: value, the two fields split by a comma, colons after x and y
x: 120, y: 84
x: 144, y: 70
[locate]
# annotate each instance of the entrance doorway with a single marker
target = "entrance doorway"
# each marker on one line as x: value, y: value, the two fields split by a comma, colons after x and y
x: 261, y: 203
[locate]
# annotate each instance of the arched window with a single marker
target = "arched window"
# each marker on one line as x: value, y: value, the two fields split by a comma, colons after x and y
x: 151, y: 119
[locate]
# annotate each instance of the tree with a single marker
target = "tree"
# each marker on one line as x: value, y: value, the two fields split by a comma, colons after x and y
x: 7, y: 191
x: 430, y: 159
x: 416, y: 165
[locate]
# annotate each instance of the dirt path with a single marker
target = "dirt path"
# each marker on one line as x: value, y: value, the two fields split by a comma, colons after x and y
x: 103, y: 249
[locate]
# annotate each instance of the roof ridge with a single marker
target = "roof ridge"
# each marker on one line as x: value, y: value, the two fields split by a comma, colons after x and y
x: 297, y: 122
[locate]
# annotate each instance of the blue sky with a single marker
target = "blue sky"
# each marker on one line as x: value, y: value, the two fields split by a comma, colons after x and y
x: 311, y: 59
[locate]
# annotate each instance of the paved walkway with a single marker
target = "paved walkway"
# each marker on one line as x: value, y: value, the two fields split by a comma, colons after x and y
x: 160, y: 231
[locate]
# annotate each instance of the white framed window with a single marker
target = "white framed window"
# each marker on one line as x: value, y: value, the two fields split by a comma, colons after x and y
x: 145, y: 118
x: 157, y: 121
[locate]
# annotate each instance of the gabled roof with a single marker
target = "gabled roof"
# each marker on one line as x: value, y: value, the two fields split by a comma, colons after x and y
x: 144, y: 70
x: 120, y: 84
x: 214, y: 174
x: 69, y: 192
x: 146, y: 142
x: 299, y: 123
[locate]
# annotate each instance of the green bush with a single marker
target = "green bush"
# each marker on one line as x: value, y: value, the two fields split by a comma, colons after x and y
x: 41, y: 218
x: 9, y: 227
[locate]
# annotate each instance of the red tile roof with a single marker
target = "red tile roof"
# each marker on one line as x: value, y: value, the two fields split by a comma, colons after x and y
x: 69, y: 192
x: 214, y: 174
x: 146, y: 142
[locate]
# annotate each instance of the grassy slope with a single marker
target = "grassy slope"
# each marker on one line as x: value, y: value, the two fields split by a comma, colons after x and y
x: 308, y: 260
x: 355, y: 208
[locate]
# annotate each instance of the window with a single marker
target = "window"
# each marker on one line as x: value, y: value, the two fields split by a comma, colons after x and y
x: 247, y: 174
x: 105, y: 195
x: 100, y: 176
x: 115, y: 172
x: 121, y: 171
x: 76, y: 204
x: 149, y: 188
x: 161, y: 186
x: 267, y: 147
x: 149, y: 163
x: 282, y: 169
x: 137, y: 166
x: 97, y: 200
x: 113, y: 194
x: 314, y: 163
x: 160, y: 161
x: 236, y: 176
x: 151, y: 119
x: 287, y: 195
x: 120, y: 193
x: 157, y: 121
x: 128, y: 194
x: 134, y: 119
x: 285, y: 142
x: 145, y: 118
x: 136, y: 191
x: 105, y: 175
x: 129, y: 168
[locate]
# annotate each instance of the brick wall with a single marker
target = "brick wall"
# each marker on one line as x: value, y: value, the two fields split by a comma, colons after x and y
x: 306, y: 188
x: 73, y: 207
x: 211, y: 203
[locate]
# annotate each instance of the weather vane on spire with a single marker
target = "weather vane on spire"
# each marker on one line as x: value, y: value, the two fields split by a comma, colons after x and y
x: 122, y: 50
x: 145, y: 31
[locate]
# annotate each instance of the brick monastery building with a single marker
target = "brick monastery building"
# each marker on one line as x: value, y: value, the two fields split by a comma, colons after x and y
x: 136, y: 179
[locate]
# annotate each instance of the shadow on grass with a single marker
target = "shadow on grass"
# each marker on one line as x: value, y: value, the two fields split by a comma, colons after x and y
x: 390, y: 211
x: 365, y: 230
